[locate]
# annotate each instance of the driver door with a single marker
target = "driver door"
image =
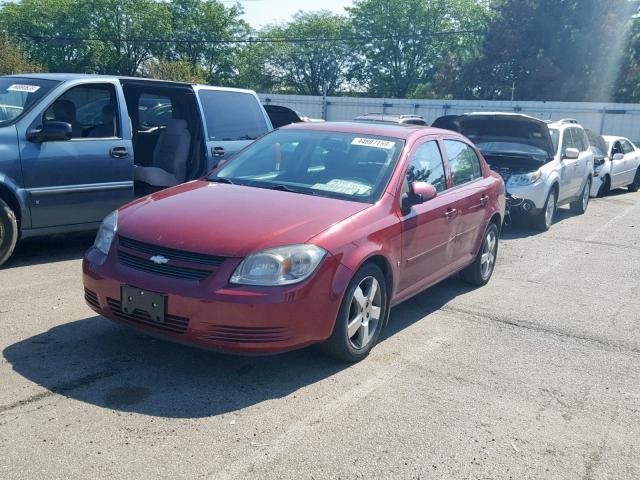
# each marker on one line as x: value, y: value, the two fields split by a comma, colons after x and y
x: 617, y: 166
x: 81, y: 180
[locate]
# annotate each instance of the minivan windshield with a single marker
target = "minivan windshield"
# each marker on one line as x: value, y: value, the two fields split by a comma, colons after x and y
x: 348, y: 166
x: 18, y: 94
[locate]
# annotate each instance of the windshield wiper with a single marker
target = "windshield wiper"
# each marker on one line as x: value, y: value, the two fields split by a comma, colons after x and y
x: 284, y: 188
x: 220, y: 180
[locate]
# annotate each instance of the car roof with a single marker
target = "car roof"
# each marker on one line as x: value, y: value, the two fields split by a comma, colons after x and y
x: 612, y: 138
x: 498, y: 114
x: 400, y: 131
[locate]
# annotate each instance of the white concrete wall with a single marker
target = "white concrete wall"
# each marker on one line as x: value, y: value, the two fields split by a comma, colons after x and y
x: 605, y: 118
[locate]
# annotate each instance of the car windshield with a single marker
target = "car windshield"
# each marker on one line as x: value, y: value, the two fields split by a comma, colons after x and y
x: 348, y: 166
x: 17, y: 95
x: 555, y: 138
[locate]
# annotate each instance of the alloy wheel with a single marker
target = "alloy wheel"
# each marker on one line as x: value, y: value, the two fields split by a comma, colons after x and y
x: 365, y: 312
x: 551, y: 209
x: 488, y: 256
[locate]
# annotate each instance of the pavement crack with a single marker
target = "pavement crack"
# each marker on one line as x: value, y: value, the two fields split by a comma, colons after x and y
x: 618, y: 346
x: 61, y: 389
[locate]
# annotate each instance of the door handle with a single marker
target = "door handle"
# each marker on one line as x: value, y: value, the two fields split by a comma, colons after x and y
x: 119, y: 152
x: 451, y: 213
x: 484, y: 200
x: 217, y: 151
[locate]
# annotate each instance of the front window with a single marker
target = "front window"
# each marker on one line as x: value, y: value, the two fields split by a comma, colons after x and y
x: 348, y: 166
x: 18, y: 94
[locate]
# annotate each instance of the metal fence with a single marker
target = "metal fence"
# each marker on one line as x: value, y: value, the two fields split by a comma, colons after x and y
x: 605, y: 118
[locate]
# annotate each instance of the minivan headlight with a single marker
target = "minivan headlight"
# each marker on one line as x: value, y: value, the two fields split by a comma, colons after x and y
x: 107, y: 233
x: 279, y: 266
x: 525, y: 179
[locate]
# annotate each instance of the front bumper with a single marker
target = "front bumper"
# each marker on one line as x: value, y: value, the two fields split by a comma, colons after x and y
x: 216, y: 315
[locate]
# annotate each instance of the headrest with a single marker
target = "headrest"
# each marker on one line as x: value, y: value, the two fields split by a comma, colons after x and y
x: 176, y: 125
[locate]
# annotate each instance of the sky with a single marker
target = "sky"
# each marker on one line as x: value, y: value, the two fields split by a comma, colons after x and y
x: 262, y: 12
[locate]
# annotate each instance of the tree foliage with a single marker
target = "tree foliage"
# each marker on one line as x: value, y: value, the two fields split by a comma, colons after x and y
x: 13, y: 59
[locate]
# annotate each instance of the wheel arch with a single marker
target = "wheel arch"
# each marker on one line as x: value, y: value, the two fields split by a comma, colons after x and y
x: 383, y: 263
x: 8, y: 193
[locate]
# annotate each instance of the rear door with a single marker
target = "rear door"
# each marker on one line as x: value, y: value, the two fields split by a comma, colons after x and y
x: 428, y: 230
x: 232, y: 120
x: 470, y: 189
x: 81, y: 180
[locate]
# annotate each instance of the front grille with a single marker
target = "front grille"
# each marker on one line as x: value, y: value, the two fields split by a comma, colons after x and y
x: 173, y: 254
x: 172, y: 323
x: 230, y: 334
x: 91, y: 298
x: 175, y: 271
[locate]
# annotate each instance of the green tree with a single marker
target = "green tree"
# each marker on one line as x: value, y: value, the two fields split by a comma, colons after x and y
x: 628, y: 82
x: 176, y: 71
x: 403, y: 45
x: 550, y: 50
x: 13, y: 59
x: 314, y: 59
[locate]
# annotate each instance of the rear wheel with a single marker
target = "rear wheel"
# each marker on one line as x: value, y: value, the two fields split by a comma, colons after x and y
x: 8, y: 232
x: 544, y: 219
x: 361, y: 316
x: 636, y: 182
x: 580, y: 205
x: 480, y: 271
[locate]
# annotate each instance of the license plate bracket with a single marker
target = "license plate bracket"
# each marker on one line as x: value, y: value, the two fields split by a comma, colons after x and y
x: 134, y: 299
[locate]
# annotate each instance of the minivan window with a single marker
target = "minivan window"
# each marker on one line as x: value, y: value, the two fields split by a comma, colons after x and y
x: 18, y: 94
x: 463, y: 161
x: 232, y: 115
x: 348, y: 166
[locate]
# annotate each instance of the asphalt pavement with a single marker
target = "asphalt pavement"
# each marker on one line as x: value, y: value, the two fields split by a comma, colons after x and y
x: 535, y: 376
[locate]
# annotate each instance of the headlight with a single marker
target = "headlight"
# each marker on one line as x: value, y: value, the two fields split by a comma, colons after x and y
x: 526, y: 179
x: 107, y: 232
x: 279, y: 266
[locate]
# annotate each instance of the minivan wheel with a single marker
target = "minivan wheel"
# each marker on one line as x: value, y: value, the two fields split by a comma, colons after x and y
x: 8, y: 232
x: 361, y: 316
x: 544, y: 219
x: 636, y: 182
x: 580, y: 205
x: 480, y: 271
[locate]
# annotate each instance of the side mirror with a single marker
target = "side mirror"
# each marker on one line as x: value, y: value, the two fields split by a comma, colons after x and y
x: 571, y: 153
x: 51, y: 132
x: 618, y: 156
x: 419, y: 193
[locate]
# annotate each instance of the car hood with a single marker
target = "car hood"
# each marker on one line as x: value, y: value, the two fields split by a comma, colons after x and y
x: 230, y: 220
x: 511, y: 128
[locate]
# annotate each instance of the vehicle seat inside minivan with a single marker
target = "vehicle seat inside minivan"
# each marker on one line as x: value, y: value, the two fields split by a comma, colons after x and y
x: 170, y: 157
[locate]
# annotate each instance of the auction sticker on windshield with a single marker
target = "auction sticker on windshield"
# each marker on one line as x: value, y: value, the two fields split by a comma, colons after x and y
x: 346, y: 187
x: 23, y: 88
x: 373, y: 142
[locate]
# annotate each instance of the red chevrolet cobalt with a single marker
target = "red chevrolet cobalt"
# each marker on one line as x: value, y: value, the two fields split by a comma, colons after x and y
x: 307, y: 236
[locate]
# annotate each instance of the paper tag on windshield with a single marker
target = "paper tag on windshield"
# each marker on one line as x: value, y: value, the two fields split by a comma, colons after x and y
x: 346, y: 187
x: 373, y: 142
x: 17, y: 87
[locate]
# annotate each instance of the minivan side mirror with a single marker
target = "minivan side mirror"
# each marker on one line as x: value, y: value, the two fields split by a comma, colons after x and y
x: 571, y: 153
x: 618, y: 156
x: 51, y: 132
x: 419, y: 192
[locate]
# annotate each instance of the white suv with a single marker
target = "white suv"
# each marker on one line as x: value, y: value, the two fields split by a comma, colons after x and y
x: 543, y: 165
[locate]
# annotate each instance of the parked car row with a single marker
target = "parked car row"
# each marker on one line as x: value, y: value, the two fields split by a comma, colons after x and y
x: 307, y: 235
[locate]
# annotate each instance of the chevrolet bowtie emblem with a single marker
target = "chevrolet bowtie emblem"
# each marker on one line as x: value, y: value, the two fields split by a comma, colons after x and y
x: 159, y: 259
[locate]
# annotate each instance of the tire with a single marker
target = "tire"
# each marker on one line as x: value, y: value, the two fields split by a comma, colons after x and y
x: 579, y: 206
x: 480, y: 271
x: 605, y: 188
x: 636, y: 182
x: 352, y: 345
x: 8, y: 232
x: 544, y: 219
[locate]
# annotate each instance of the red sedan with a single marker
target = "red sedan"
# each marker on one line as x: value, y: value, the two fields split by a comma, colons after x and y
x: 310, y: 235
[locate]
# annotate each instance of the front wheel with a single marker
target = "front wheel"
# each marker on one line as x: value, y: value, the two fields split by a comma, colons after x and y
x: 361, y: 316
x: 544, y: 219
x: 8, y: 232
x: 580, y: 205
x: 480, y: 271
x: 636, y: 182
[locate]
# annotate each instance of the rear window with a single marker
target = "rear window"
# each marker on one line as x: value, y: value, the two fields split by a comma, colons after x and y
x: 232, y: 115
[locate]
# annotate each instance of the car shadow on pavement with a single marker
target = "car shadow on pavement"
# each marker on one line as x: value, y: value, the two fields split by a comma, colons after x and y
x: 100, y: 363
x: 58, y: 248
x: 520, y: 229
